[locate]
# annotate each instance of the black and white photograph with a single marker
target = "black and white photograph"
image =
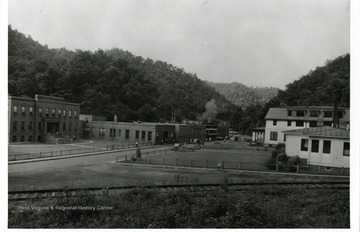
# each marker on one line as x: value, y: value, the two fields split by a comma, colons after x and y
x: 179, y: 114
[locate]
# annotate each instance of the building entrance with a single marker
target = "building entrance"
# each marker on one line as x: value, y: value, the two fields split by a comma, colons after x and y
x: 52, y: 127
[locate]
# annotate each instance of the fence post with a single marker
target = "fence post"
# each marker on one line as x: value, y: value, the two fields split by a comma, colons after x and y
x: 28, y: 155
x: 107, y: 147
x: 223, y: 164
x: 40, y: 155
x: 207, y: 163
x: 239, y: 165
x: 342, y: 171
x: 15, y: 157
x: 51, y: 153
x: 257, y: 166
x: 319, y: 169
x: 150, y: 160
x: 70, y: 152
x: 191, y: 163
x: 297, y: 168
x: 78, y: 150
x: 277, y: 167
x: 125, y: 158
x: 177, y: 162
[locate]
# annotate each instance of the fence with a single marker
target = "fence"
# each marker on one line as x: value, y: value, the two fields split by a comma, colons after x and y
x: 233, y: 165
x: 145, y: 156
x: 37, y: 155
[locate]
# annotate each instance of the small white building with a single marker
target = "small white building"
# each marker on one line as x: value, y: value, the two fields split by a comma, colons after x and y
x: 324, y: 146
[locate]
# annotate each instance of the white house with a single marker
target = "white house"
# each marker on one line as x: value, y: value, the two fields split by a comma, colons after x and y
x: 324, y: 146
x: 297, y: 117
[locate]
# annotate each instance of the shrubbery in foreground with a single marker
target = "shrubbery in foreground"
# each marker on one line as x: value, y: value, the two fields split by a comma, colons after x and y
x: 271, y: 208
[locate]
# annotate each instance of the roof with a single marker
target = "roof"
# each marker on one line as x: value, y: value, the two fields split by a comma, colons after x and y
x: 259, y: 129
x: 324, y: 131
x: 276, y: 113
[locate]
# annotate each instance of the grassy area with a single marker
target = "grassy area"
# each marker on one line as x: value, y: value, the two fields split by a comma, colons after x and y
x: 271, y: 208
x: 113, y: 175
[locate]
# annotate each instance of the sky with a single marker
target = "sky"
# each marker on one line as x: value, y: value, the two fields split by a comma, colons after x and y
x: 254, y: 42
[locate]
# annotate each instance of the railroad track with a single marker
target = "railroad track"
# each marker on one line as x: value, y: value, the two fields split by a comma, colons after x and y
x: 78, y: 192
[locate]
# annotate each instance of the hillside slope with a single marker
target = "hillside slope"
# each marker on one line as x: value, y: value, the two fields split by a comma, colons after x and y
x: 244, y: 96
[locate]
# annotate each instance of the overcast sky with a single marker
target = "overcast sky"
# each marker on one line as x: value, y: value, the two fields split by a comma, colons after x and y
x: 254, y: 42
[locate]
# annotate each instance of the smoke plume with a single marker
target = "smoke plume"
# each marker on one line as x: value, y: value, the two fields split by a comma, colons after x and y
x: 211, y: 111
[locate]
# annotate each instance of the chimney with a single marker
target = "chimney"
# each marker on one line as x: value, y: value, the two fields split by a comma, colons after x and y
x: 335, y: 115
x: 115, y: 118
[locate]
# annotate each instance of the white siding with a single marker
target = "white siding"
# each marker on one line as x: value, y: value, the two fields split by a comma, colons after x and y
x: 334, y: 159
x: 279, y: 127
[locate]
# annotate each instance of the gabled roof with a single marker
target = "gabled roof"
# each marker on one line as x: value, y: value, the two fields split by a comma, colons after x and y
x: 324, y: 131
x: 276, y: 113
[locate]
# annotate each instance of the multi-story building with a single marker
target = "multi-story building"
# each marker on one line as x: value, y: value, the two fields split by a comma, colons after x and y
x: 297, y: 117
x: 42, y: 119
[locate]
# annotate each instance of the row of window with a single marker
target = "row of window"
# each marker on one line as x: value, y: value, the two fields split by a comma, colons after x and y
x: 47, y: 112
x: 301, y: 123
x: 30, y: 126
x: 314, y: 113
x: 24, y: 139
x: 315, y: 144
x: 113, y: 133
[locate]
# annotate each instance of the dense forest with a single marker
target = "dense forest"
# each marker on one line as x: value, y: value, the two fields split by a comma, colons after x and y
x: 117, y: 82
x: 244, y: 96
x: 110, y: 82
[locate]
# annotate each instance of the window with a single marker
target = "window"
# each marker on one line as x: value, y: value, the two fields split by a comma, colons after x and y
x: 304, y: 144
x: 14, y: 139
x: 315, y: 145
x: 23, y: 110
x: 149, y: 136
x: 300, y: 113
x: 274, y: 122
x: 39, y: 126
x: 69, y: 113
x: 313, y: 124
x: 70, y: 126
x: 289, y: 113
x: 127, y: 134
x: 299, y: 123
x: 64, y: 114
x: 75, y: 115
x: 40, y: 111
x: 289, y: 123
x: 327, y: 147
x: 47, y: 112
x: 14, y: 125
x: 53, y: 113
x: 22, y: 138
x: 273, y: 136
x: 39, y: 138
x: 59, y: 113
x: 22, y: 125
x: 112, y: 132
x: 30, y: 110
x: 328, y: 114
x: 119, y: 133
x: 137, y: 134
x: 284, y: 138
x: 314, y: 114
x: 143, y: 133
x: 341, y: 114
x: 346, y: 151
x: 15, y: 110
x: 30, y: 125
x: 64, y: 126
x: 101, y: 131
x: 328, y: 123
x: 30, y: 138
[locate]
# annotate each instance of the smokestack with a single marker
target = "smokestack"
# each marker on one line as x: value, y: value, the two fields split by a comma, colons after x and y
x: 115, y: 118
x: 335, y: 115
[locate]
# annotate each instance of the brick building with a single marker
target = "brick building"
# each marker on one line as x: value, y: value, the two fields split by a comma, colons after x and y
x: 43, y: 119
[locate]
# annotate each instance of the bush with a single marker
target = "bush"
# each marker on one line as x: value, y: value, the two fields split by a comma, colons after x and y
x: 283, y: 158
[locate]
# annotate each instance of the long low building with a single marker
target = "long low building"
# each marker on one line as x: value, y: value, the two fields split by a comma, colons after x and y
x: 142, y: 132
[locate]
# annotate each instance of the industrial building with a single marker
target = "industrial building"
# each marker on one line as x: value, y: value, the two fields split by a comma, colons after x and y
x: 43, y: 119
